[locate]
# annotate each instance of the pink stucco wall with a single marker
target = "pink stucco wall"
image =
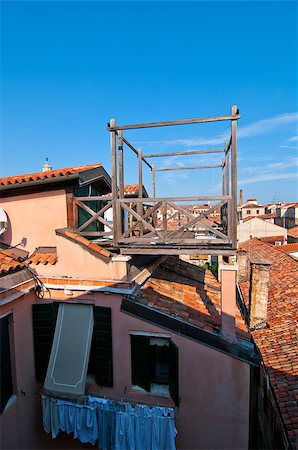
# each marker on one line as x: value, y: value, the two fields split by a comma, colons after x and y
x: 214, y: 388
x: 35, y: 218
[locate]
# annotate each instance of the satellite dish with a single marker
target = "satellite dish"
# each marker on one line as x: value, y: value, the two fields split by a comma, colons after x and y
x: 3, y: 221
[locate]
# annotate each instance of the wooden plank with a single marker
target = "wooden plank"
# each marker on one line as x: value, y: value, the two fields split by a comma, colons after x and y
x: 164, y: 220
x: 140, y: 218
x: 136, y: 152
x: 70, y: 210
x: 234, y: 176
x: 91, y: 212
x: 114, y: 181
x: 113, y: 127
x: 96, y: 233
x: 95, y: 216
x: 175, y: 199
x: 140, y: 177
x: 148, y: 213
x: 190, y: 152
x: 227, y: 174
x: 152, y: 250
x: 95, y: 198
x: 171, y: 242
x: 120, y: 164
x: 216, y: 166
x: 153, y: 180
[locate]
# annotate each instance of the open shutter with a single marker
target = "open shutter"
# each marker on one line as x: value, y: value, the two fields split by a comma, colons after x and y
x: 140, y: 361
x: 103, y: 346
x: 44, y: 322
x: 5, y: 368
x: 174, y: 372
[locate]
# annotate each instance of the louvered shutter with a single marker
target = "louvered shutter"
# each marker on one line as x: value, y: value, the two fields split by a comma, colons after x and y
x: 174, y: 372
x: 140, y: 361
x: 44, y: 322
x: 103, y: 346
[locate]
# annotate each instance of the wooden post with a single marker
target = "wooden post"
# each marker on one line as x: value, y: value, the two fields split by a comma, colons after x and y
x: 223, y: 180
x: 121, y: 181
x: 234, y: 176
x: 114, y: 181
x: 164, y: 220
x: 140, y: 205
x: 154, y: 216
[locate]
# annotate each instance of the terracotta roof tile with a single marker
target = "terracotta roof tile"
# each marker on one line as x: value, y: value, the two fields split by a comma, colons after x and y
x: 293, y: 232
x: 44, y: 175
x: 261, y: 216
x: 8, y: 264
x: 133, y: 190
x: 43, y: 255
x: 289, y: 247
x: 94, y: 248
x: 189, y: 292
x: 279, y: 342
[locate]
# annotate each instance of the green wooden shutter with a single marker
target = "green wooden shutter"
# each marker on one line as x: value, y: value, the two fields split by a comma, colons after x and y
x: 174, y: 372
x: 5, y: 369
x: 44, y: 322
x: 140, y: 361
x: 103, y: 346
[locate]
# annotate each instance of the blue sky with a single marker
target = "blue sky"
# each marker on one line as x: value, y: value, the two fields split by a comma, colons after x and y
x: 68, y: 67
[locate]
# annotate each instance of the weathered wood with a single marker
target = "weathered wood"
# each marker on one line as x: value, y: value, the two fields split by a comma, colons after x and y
x: 147, y: 214
x: 177, y: 242
x: 91, y: 212
x: 216, y: 166
x: 210, y: 198
x: 70, y: 210
x: 164, y: 220
x: 152, y: 250
x: 136, y: 151
x: 95, y: 216
x: 190, y: 152
x: 140, y: 218
x: 153, y: 180
x: 96, y: 233
x: 120, y: 164
x: 227, y: 174
x: 140, y: 193
x: 113, y: 127
x: 114, y: 181
x: 234, y: 176
x: 95, y: 198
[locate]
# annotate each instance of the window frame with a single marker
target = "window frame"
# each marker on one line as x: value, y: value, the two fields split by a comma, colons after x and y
x: 11, y: 397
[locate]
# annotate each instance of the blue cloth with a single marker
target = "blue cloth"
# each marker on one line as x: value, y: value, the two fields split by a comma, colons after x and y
x: 112, y: 425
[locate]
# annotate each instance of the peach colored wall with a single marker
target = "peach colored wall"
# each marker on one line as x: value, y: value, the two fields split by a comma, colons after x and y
x: 214, y: 388
x: 35, y: 218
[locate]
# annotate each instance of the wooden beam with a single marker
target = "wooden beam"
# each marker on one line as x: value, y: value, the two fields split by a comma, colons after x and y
x: 210, y: 198
x: 113, y: 127
x: 140, y: 218
x: 191, y: 152
x: 120, y: 164
x: 140, y: 194
x: 114, y: 181
x: 91, y: 212
x: 95, y: 216
x: 147, y: 214
x: 136, y: 151
x: 96, y: 233
x: 234, y: 176
x: 95, y: 198
x: 189, y: 168
x: 152, y: 250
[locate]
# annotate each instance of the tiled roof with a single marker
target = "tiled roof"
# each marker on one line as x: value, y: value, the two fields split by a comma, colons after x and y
x: 133, y: 189
x: 273, y: 239
x: 278, y: 342
x: 293, y: 232
x: 261, y: 216
x: 45, y: 175
x: 8, y: 264
x: 43, y: 255
x: 251, y: 205
x: 188, y: 292
x: 93, y: 248
x: 289, y: 247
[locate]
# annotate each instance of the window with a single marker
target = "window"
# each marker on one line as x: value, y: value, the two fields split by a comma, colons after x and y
x: 258, y: 211
x: 154, y: 363
x: 6, y: 369
x: 248, y: 211
x: 100, y: 359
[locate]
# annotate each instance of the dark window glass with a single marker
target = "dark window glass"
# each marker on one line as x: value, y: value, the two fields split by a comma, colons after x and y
x: 5, y: 369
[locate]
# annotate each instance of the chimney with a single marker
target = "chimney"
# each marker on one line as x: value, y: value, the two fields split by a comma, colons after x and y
x: 258, y: 293
x: 241, y: 198
x: 242, y: 266
x: 46, y: 167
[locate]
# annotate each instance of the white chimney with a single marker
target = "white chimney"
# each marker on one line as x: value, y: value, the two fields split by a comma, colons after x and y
x: 258, y: 293
x: 46, y: 167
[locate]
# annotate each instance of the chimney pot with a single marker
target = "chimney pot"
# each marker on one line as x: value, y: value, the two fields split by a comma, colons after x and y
x: 259, y: 289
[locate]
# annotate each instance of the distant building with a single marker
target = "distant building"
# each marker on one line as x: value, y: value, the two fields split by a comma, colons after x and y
x: 250, y: 208
x: 256, y: 227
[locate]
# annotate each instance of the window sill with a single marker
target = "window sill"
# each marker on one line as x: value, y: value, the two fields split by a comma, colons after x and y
x: 158, y: 390
x: 11, y: 400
